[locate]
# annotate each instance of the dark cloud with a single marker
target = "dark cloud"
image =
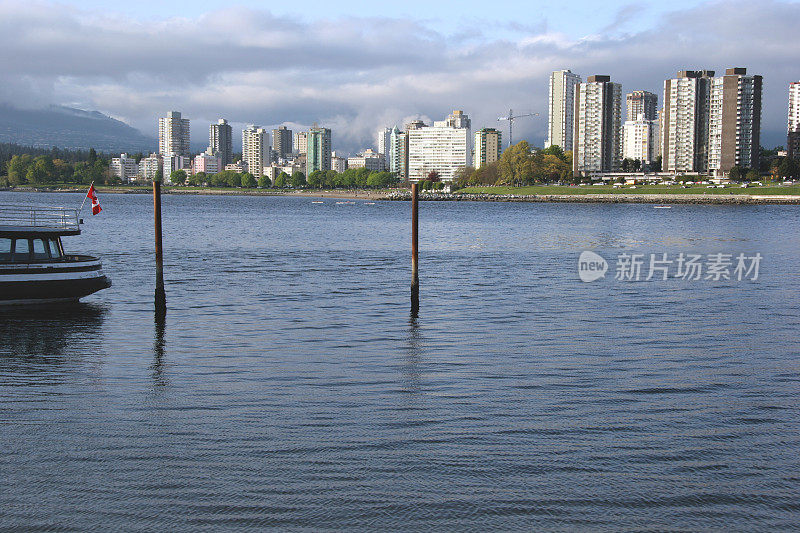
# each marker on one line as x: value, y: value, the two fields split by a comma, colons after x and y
x: 359, y: 74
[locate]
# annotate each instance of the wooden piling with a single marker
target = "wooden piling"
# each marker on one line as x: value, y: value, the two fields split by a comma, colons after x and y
x: 160, y: 294
x: 414, y: 250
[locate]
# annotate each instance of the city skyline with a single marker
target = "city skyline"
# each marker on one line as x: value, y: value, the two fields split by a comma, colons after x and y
x: 367, y: 79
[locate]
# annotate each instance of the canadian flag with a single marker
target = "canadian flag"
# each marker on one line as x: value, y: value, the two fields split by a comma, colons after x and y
x: 95, y: 202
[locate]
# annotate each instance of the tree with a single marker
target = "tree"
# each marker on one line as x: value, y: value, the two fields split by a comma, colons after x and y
x: 433, y: 176
x: 198, y: 179
x: 17, y: 168
x: 516, y: 165
x: 296, y: 176
x: 554, y: 168
x: 234, y: 179
x: 753, y: 175
x: 264, y: 182
x: 627, y: 165
x: 280, y: 180
x: 41, y: 170
x: 554, y: 150
x: 298, y: 179
x: 787, y: 168
x: 317, y: 179
x: 92, y: 156
x: 655, y: 166
x: 248, y: 180
x: 159, y: 175
x: 462, y: 176
x: 736, y: 173
x: 380, y: 180
x: 178, y: 177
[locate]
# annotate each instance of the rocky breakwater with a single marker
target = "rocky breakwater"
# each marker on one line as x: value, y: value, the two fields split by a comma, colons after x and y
x: 736, y: 199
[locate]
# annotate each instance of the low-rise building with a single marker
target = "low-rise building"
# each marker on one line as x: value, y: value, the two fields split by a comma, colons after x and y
x: 368, y: 159
x: 338, y: 164
x: 239, y: 166
x: 149, y: 167
x: 206, y: 163
x: 124, y: 167
x: 174, y: 162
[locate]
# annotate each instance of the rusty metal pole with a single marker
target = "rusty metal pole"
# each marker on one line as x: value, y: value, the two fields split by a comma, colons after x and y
x: 160, y: 296
x: 414, y: 250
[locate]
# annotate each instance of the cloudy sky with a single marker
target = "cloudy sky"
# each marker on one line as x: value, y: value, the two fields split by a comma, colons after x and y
x: 358, y: 66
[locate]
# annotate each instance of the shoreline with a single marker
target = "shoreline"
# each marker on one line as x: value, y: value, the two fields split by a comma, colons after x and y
x: 405, y: 195
x: 602, y: 198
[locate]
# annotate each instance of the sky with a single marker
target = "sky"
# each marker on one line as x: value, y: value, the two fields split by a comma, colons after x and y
x: 359, y: 66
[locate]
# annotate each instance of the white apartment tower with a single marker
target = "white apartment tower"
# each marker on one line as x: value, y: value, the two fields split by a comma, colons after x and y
x: 597, y: 128
x: 444, y: 147
x: 385, y: 143
x: 488, y: 146
x: 685, y: 121
x: 173, y: 135
x: 301, y: 142
x: 220, y: 141
x: 255, y: 149
x: 639, y: 139
x: 793, y: 137
x: 562, y: 105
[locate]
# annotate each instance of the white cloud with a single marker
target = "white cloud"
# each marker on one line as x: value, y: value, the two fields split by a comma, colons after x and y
x: 358, y: 74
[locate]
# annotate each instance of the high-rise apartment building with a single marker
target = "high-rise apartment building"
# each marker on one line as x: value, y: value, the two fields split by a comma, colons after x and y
x: 318, y: 153
x: 385, y: 143
x: 562, y: 106
x: 488, y: 143
x: 639, y: 139
x: 444, y: 147
x: 734, y: 129
x: 685, y: 121
x: 793, y: 137
x: 301, y: 142
x: 397, y: 152
x: 173, y: 135
x: 597, y: 127
x: 220, y: 141
x: 413, y: 125
x: 642, y: 103
x: 282, y: 142
x: 255, y: 149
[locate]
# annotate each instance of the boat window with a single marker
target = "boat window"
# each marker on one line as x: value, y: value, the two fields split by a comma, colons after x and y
x: 55, y: 251
x: 39, y: 250
x: 22, y: 250
x: 5, y: 249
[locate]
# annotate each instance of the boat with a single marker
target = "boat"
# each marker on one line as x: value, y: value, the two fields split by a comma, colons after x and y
x: 34, y: 268
x: 662, y: 207
x: 317, y: 202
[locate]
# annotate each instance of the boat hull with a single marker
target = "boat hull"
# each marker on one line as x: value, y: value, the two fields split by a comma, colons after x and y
x: 50, y: 283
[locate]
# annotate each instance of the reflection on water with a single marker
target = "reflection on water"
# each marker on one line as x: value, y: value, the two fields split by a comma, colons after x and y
x: 160, y: 323
x: 48, y: 330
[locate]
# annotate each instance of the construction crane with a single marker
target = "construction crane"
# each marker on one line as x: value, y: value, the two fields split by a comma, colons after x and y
x: 510, y: 118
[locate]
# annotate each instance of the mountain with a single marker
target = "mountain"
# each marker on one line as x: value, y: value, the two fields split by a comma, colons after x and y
x: 70, y: 128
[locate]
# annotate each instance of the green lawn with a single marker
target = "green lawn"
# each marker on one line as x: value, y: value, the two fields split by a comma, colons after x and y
x: 640, y: 189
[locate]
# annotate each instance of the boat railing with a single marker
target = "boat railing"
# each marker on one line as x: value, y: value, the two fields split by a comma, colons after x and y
x: 39, y: 217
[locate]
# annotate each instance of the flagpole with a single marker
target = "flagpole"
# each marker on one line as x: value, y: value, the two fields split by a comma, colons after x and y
x: 84, y: 199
